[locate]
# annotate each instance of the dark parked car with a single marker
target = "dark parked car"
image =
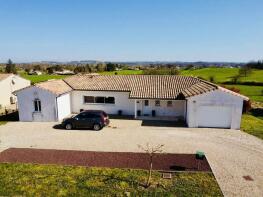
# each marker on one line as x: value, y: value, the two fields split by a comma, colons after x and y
x: 94, y: 119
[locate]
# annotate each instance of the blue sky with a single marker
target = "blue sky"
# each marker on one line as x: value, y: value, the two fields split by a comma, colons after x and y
x: 129, y: 30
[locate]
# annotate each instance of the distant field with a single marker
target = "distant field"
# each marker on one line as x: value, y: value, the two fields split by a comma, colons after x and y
x: 255, y: 93
x: 40, y: 78
x: 222, y: 75
x: 122, y: 72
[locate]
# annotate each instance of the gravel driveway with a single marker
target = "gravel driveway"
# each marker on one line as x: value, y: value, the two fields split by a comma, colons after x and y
x: 232, y: 154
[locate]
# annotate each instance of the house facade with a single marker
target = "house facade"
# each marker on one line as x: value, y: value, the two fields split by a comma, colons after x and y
x: 8, y: 84
x: 197, y: 102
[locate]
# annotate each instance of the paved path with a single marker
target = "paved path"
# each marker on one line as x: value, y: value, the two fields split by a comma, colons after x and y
x: 232, y: 154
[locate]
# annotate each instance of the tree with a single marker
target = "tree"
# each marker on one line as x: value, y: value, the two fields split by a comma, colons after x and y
x: 161, y: 71
x: 212, y: 79
x: 50, y: 70
x: 80, y: 69
x: 10, y: 67
x: 151, y: 150
x: 111, y: 67
x: 245, y: 71
x: 101, y: 67
x: 235, y: 79
x: 58, y: 68
x: 37, y: 67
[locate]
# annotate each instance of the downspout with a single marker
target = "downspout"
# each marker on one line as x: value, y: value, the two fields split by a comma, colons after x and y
x: 185, y: 112
x: 56, y: 109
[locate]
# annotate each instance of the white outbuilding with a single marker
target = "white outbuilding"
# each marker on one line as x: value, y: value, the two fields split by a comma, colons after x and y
x: 46, y: 101
x: 197, y: 102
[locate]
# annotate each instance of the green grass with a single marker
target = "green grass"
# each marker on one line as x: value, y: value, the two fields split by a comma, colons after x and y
x: 3, y: 122
x: 252, y: 125
x: 122, y: 72
x: 53, y: 180
x: 40, y: 78
x: 253, y: 92
x: 222, y: 75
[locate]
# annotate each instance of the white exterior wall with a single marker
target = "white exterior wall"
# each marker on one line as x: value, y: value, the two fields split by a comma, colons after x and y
x: 7, y: 87
x: 215, y: 98
x: 26, y: 108
x: 64, y: 106
x: 177, y: 109
x: 122, y: 102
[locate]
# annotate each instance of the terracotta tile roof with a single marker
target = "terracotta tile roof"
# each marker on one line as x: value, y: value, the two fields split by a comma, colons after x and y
x: 4, y: 76
x: 143, y: 86
x: 57, y: 87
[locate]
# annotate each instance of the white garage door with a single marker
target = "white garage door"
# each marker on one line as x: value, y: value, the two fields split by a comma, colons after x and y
x: 214, y: 116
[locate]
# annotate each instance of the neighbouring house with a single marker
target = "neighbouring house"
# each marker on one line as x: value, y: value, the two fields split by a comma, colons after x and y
x: 64, y: 72
x: 8, y: 84
x: 35, y: 72
x: 197, y: 102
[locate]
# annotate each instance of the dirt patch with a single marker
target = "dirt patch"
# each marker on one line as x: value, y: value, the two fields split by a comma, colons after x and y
x: 165, y: 162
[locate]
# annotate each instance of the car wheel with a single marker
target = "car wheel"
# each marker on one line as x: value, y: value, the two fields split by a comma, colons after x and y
x: 68, y: 126
x: 96, y: 127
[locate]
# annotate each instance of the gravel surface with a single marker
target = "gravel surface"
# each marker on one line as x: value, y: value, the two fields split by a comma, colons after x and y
x: 231, y: 154
x: 162, y: 162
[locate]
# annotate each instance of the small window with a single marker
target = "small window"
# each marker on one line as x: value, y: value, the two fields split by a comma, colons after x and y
x: 110, y: 100
x: 37, y: 105
x: 88, y: 99
x: 157, y: 103
x: 146, y: 102
x: 99, y: 99
x: 169, y: 103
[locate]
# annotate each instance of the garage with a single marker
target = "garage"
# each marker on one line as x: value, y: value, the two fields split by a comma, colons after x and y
x: 220, y: 108
x: 214, y: 116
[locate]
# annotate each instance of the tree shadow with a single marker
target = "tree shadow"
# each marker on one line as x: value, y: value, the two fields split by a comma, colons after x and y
x: 257, y: 112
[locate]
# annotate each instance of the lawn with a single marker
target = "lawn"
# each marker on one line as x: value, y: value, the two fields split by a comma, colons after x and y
x: 255, y: 93
x: 54, y: 180
x: 40, y: 78
x: 252, y: 125
x: 123, y: 72
x: 3, y: 122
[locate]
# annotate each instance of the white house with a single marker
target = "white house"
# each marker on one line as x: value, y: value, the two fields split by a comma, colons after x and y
x: 199, y: 103
x: 8, y: 84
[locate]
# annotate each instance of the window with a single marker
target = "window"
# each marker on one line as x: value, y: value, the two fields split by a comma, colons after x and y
x: 110, y: 100
x: 169, y: 103
x: 146, y: 102
x: 88, y: 99
x: 37, y: 105
x: 99, y: 99
x: 157, y: 103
